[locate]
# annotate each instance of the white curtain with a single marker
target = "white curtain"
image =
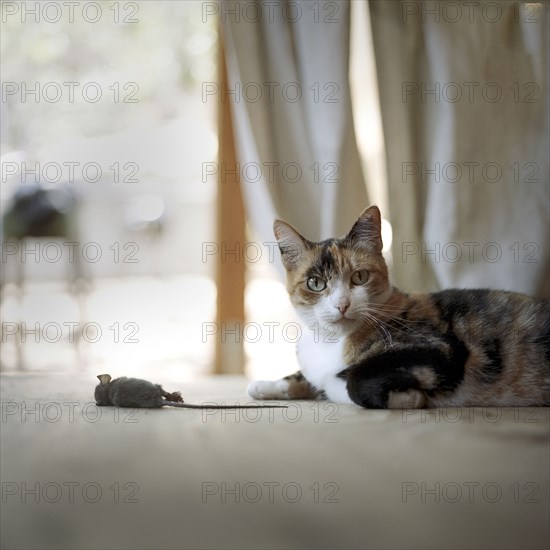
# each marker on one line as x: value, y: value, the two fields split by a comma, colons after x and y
x: 464, y: 99
x: 288, y: 67
x: 467, y: 169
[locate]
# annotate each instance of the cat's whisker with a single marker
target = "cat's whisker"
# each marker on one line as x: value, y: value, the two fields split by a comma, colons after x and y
x: 379, y: 327
x: 406, y: 330
x: 409, y: 331
x: 385, y: 332
x: 397, y: 319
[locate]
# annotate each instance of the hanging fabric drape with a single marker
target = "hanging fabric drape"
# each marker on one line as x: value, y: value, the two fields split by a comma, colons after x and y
x: 464, y: 103
x: 290, y: 99
x: 464, y: 100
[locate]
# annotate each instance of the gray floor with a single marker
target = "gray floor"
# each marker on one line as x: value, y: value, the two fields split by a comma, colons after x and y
x: 314, y: 476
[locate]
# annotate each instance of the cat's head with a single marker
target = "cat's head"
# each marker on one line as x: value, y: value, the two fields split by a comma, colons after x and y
x: 336, y: 281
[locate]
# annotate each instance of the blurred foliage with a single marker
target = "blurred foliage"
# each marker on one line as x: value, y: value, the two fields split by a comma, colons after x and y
x: 168, y: 53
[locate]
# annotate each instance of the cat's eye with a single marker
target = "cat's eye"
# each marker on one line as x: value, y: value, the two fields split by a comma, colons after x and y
x: 360, y: 277
x: 316, y: 284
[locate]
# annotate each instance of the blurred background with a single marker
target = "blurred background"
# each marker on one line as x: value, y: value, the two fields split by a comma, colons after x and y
x: 116, y: 241
x: 127, y: 172
x: 106, y: 208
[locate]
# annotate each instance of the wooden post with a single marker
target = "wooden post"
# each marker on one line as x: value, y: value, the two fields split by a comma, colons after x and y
x: 230, y: 268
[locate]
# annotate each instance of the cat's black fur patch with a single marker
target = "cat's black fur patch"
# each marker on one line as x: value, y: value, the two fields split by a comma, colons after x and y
x: 451, y: 375
x: 369, y: 382
x: 490, y: 372
x: 343, y: 374
x: 373, y: 390
x: 545, y: 339
x: 324, y: 265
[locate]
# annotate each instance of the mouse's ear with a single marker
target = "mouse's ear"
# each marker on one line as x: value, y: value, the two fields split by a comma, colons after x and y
x: 104, y: 378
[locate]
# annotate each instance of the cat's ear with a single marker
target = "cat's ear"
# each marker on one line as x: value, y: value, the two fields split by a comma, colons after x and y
x: 291, y: 244
x: 367, y: 230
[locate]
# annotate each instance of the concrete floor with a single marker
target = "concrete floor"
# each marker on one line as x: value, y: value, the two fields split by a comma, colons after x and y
x: 316, y: 475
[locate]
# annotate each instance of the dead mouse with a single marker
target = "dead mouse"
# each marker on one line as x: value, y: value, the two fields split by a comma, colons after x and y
x: 142, y: 394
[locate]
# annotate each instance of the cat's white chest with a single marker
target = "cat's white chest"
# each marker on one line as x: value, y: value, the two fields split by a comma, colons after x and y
x: 321, y: 358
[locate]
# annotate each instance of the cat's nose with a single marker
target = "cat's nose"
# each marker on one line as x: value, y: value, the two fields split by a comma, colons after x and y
x: 342, y: 308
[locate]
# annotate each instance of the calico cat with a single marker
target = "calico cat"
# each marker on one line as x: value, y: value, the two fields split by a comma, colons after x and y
x: 366, y: 342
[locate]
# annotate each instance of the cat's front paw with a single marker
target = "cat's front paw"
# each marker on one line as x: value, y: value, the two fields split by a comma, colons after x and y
x: 410, y: 399
x: 269, y: 389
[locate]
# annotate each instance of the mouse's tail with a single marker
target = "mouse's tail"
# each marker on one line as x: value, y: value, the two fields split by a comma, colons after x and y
x: 183, y: 405
x: 212, y: 406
